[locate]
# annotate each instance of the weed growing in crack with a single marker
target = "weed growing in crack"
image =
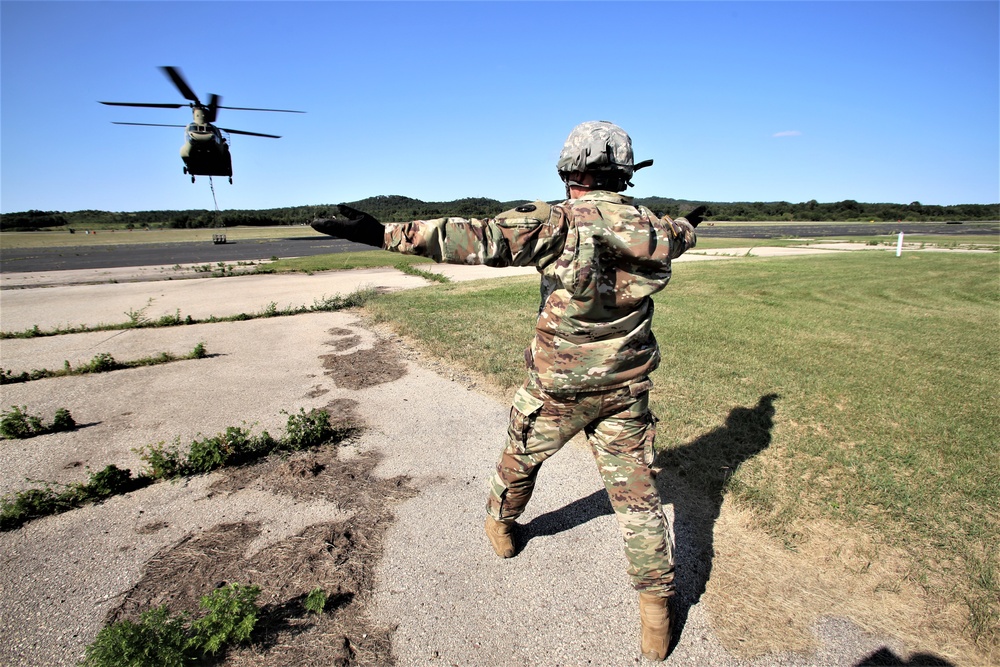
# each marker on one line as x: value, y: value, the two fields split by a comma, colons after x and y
x: 308, y: 429
x: 412, y: 270
x: 235, y: 446
x: 25, y: 506
x: 138, y: 320
x: 17, y: 424
x: 101, y: 363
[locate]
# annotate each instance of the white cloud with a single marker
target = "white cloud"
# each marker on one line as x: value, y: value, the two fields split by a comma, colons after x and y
x: 787, y: 133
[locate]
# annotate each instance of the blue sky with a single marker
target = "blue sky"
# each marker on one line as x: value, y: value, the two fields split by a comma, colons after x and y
x: 736, y: 101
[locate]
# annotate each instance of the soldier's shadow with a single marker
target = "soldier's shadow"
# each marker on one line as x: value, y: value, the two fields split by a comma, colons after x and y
x: 693, y: 479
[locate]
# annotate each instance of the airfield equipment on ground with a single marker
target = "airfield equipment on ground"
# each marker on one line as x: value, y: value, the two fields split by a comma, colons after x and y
x: 205, y: 151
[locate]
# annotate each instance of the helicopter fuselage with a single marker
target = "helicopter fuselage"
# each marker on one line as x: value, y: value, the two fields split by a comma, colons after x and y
x: 205, y: 151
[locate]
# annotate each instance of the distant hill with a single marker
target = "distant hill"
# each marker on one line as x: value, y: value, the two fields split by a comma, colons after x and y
x: 396, y: 208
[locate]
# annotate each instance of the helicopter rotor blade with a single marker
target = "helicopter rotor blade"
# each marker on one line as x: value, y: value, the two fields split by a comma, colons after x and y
x: 145, y: 104
x: 185, y: 90
x: 252, y: 134
x: 213, y: 108
x: 254, y: 109
x: 115, y: 122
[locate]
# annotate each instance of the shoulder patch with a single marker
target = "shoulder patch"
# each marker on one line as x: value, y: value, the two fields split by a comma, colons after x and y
x: 537, y: 210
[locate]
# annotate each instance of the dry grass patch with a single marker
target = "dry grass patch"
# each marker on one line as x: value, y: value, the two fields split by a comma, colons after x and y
x: 766, y: 598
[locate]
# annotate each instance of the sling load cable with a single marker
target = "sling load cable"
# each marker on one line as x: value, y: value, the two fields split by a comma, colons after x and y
x: 216, y: 238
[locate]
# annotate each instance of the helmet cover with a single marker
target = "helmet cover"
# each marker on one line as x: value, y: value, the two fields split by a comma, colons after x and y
x: 597, y: 145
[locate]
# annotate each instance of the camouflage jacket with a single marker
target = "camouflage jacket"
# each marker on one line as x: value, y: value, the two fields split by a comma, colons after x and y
x: 600, y: 258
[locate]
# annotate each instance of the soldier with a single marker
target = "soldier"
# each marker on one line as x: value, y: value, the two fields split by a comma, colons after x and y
x: 601, y: 259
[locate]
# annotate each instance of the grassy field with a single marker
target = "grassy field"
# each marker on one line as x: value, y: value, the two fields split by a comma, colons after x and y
x: 888, y: 372
x: 950, y: 242
x: 345, y: 260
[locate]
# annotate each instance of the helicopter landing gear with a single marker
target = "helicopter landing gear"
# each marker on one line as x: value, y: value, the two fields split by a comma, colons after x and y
x: 192, y: 179
x: 230, y: 180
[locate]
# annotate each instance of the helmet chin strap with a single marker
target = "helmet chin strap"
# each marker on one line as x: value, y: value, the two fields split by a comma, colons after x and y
x: 616, y: 182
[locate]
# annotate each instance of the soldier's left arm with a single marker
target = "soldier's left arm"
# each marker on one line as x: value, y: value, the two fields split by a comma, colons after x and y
x: 647, y: 238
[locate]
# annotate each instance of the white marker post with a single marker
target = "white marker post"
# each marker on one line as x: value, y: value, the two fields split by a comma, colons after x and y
x: 899, y: 245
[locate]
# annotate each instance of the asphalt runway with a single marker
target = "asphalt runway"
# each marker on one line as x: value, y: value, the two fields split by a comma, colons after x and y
x: 30, y: 260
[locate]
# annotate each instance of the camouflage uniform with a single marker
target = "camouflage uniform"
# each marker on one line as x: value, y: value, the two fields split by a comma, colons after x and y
x: 600, y: 259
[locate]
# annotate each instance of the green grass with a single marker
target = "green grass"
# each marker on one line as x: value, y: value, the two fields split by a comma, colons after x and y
x: 888, y: 372
x: 949, y: 241
x: 340, y: 261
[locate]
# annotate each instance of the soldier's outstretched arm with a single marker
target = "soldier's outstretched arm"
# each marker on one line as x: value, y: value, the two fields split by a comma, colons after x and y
x: 353, y: 225
x: 530, y: 235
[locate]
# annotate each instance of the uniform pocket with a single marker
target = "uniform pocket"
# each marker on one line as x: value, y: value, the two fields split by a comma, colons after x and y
x: 523, y: 413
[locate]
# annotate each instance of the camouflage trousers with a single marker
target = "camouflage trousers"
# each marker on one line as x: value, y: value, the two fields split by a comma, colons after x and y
x: 620, y: 429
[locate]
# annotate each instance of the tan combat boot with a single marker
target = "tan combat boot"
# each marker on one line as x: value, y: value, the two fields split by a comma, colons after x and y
x: 501, y: 537
x: 654, y: 614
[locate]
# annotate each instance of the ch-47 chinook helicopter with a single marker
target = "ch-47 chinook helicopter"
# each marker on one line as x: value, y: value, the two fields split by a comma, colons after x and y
x: 205, y: 151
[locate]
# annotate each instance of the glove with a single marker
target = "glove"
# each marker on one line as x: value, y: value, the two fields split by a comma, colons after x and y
x: 696, y: 216
x: 353, y: 225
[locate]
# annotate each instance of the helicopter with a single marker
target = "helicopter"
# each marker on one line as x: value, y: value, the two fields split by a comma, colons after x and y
x: 205, y: 151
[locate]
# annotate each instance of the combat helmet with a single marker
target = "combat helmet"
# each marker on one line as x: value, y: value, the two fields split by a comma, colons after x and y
x: 601, y: 149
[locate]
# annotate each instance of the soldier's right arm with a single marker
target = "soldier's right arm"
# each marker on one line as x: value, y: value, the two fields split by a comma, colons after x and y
x: 530, y: 235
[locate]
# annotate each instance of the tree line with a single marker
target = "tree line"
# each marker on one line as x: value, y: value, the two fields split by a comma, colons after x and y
x: 396, y: 208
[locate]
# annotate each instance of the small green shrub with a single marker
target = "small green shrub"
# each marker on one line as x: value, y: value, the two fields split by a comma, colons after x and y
x: 30, y: 504
x: 232, y: 615
x: 21, y: 507
x: 101, y: 363
x: 108, y: 482
x: 158, y: 639
x: 308, y: 429
x: 236, y: 445
x: 16, y: 423
x: 63, y: 421
x: 162, y: 639
x: 316, y: 601
x: 163, y: 462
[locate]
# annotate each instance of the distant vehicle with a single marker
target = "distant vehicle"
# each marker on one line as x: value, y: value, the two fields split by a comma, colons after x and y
x: 205, y: 151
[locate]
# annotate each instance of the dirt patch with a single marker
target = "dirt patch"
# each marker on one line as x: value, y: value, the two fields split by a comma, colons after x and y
x: 338, y: 557
x: 767, y: 597
x: 317, y: 391
x: 345, y: 343
x: 364, y: 368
